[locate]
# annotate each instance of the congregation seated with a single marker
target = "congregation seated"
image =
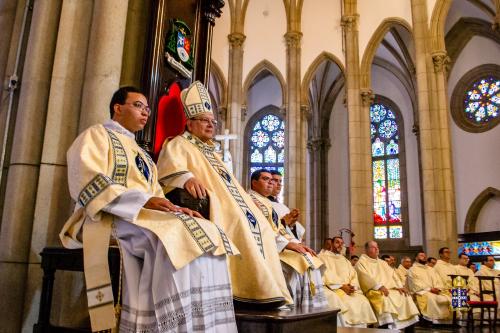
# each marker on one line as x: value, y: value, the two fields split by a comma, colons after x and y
x: 341, y: 282
x: 432, y: 297
x: 301, y: 267
x: 390, y: 301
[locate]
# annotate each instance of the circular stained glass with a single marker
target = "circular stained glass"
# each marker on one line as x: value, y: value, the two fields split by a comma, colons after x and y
x: 267, y: 143
x: 377, y: 112
x: 482, y: 101
x: 388, y: 128
x: 260, y: 138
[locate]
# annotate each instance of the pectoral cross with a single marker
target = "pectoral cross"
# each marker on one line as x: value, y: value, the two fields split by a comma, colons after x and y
x: 224, y: 138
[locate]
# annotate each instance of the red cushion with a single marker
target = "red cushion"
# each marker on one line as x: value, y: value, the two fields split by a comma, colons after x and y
x: 482, y: 303
x: 170, y: 119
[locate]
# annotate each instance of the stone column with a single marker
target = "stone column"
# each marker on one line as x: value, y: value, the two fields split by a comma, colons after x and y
x: 17, y: 220
x: 360, y: 188
x: 437, y: 179
x: 53, y: 203
x: 104, y: 60
x: 234, y: 118
x: 294, y: 195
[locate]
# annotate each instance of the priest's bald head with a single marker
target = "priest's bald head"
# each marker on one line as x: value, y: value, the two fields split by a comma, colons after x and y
x: 371, y: 249
x: 198, y: 109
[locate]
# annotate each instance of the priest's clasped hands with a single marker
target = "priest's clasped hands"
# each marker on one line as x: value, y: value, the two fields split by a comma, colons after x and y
x: 385, y: 291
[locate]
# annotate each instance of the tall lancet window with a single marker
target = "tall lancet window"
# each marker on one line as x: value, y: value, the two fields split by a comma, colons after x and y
x: 267, y: 143
x: 386, y: 169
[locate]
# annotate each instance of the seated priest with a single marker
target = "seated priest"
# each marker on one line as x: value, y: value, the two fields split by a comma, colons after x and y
x: 433, y: 299
x: 391, y: 302
x: 341, y: 280
x: 327, y: 245
x: 289, y: 218
x: 300, y: 264
x: 472, y: 283
x: 189, y: 161
x: 171, y: 259
x: 488, y: 269
x: 444, y: 268
x: 402, y: 270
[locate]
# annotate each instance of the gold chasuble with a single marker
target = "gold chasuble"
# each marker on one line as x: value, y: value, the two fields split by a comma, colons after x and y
x: 256, y: 275
x: 301, y: 263
x: 339, y: 271
x: 102, y: 165
x: 434, y: 307
x: 375, y: 273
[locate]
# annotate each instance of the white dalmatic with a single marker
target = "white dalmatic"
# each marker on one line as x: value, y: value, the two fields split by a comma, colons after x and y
x: 226, y: 154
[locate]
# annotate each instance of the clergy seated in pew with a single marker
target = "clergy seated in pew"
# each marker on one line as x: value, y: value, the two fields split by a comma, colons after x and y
x: 431, y: 262
x: 189, y: 161
x: 444, y: 268
x: 354, y: 260
x: 327, y: 245
x: 301, y: 266
x: 472, y: 282
x: 289, y: 218
x: 390, y: 301
x: 402, y: 270
x: 432, y: 297
x: 171, y: 258
x: 487, y: 269
x: 341, y: 281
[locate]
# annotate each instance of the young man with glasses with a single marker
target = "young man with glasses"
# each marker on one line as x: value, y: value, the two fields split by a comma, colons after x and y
x: 166, y: 265
x: 189, y: 161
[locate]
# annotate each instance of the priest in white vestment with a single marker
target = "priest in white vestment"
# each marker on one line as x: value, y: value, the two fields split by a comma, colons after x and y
x: 189, y: 161
x: 488, y: 269
x: 175, y: 276
x: 433, y: 299
x: 301, y: 266
x: 444, y: 268
x: 472, y: 281
x: 289, y: 218
x: 402, y: 270
x: 341, y: 281
x: 391, y: 302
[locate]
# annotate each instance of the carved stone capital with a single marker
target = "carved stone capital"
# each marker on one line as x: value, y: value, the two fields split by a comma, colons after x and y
x: 244, y: 112
x: 315, y: 144
x: 305, y: 111
x: 222, y: 113
x: 283, y: 109
x: 293, y: 38
x: 236, y: 39
x: 367, y: 96
x: 441, y: 61
x: 349, y: 22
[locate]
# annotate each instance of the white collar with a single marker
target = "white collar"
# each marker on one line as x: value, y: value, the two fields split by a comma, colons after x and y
x: 117, y: 127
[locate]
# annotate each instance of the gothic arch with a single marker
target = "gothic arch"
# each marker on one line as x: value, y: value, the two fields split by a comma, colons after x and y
x: 264, y: 65
x: 462, y: 32
x: 268, y: 109
x: 374, y: 43
x: 311, y: 71
x: 221, y: 81
x: 437, y: 24
x: 476, y: 206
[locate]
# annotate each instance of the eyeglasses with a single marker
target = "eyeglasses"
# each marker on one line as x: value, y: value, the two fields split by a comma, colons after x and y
x: 140, y: 106
x: 207, y: 121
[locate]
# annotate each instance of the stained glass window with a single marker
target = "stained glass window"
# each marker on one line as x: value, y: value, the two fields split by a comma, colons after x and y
x: 385, y: 140
x: 267, y: 144
x: 482, y: 101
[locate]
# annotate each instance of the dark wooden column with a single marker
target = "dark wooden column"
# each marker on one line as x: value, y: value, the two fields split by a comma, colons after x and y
x: 207, y: 11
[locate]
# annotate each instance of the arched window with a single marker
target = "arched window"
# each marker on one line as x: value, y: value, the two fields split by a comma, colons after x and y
x: 386, y: 170
x: 475, y: 102
x: 267, y: 143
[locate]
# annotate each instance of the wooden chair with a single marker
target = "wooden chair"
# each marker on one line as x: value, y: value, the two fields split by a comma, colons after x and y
x: 487, y: 300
